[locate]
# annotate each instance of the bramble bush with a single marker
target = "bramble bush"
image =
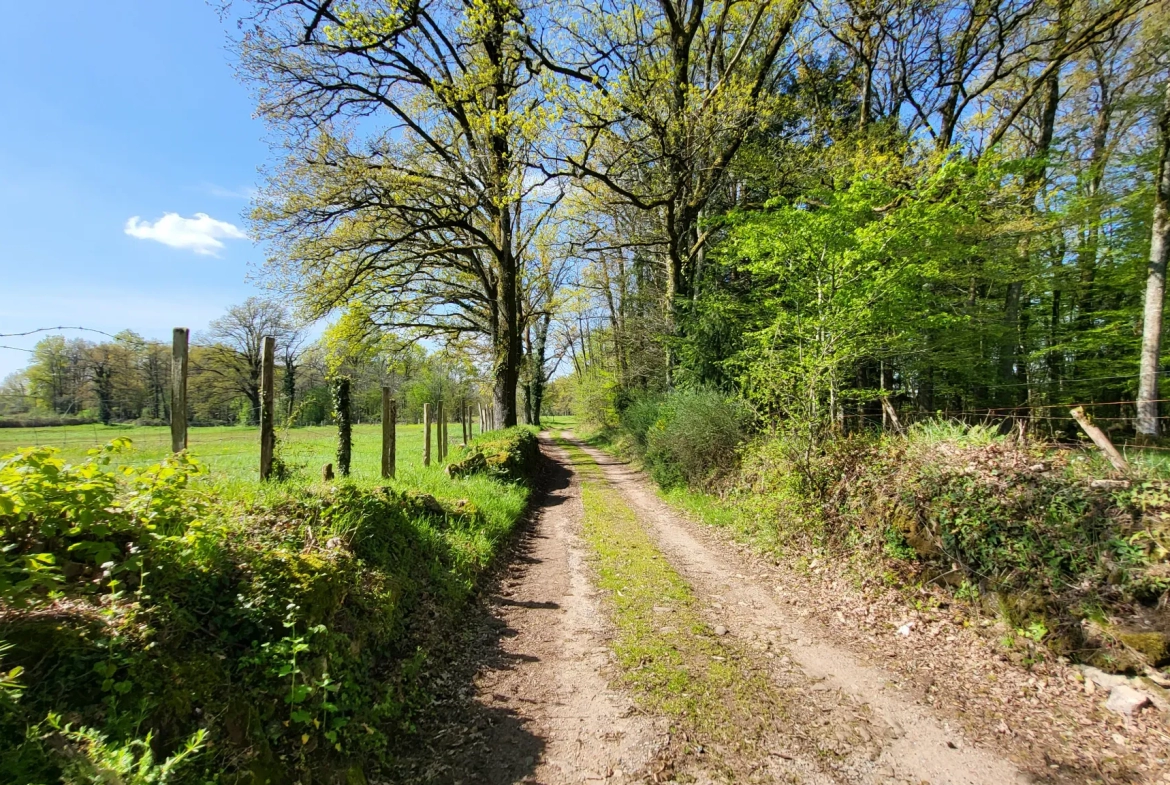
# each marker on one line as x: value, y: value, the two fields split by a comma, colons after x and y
x: 961, y: 505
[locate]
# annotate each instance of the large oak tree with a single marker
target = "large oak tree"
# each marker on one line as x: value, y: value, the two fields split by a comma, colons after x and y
x: 409, y: 126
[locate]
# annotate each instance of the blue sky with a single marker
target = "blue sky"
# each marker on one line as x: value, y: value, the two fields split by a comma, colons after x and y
x: 114, y: 111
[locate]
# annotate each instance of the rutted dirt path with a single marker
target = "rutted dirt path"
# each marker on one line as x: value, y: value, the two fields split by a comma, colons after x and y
x: 558, y: 682
x: 910, y: 744
x: 542, y: 702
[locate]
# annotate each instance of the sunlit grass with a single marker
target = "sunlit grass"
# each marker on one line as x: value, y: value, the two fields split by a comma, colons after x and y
x: 231, y: 456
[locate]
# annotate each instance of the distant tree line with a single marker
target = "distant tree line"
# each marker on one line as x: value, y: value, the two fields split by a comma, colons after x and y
x: 126, y: 378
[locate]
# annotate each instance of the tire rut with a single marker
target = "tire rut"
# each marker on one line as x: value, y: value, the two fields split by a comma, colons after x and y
x: 556, y: 654
x: 851, y: 713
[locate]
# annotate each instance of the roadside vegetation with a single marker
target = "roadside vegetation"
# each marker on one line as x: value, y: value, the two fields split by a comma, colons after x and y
x: 172, y: 623
x: 1022, y: 530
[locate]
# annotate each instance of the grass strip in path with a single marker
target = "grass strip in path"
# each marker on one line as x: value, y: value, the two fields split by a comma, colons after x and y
x: 676, y: 664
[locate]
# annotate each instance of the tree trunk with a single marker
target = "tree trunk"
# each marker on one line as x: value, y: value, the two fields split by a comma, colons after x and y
x: 537, y: 357
x: 1011, y: 359
x: 1147, y: 403
x: 290, y: 384
x: 343, y: 413
x: 105, y: 390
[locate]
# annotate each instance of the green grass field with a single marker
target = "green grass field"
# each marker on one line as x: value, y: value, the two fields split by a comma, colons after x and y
x: 232, y: 453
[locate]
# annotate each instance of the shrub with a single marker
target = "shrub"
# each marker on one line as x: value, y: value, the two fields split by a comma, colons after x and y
x: 960, y: 505
x: 44, y: 420
x: 594, y: 399
x: 510, y: 455
x: 640, y: 415
x: 142, y: 623
x: 695, y: 437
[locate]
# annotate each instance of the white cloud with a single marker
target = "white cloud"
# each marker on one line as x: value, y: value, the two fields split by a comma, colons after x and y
x: 201, y: 234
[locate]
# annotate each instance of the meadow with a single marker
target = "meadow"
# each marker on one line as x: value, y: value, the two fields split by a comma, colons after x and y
x: 232, y: 453
x: 231, y: 456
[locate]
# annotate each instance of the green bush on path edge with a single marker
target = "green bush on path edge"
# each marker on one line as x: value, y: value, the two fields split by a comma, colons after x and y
x: 154, y: 631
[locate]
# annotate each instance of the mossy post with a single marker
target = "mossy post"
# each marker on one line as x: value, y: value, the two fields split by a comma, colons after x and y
x: 389, y: 417
x: 427, y: 431
x: 343, y: 414
x: 441, y: 430
x: 267, y: 393
x: 179, y: 389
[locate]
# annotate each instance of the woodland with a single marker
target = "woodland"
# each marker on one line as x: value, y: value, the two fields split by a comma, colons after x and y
x: 960, y: 207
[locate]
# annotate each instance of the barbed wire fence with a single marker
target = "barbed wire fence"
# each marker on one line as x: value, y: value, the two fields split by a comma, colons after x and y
x: 59, y: 432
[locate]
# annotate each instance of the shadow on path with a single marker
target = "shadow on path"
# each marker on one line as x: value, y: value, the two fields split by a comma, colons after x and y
x: 464, y: 736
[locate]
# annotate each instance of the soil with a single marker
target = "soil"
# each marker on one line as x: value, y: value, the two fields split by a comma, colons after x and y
x: 535, y: 695
x: 528, y: 696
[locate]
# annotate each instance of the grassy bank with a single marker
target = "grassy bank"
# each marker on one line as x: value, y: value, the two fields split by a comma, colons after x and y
x: 250, y: 633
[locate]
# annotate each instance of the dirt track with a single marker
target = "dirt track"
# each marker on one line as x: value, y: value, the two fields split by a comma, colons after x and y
x: 547, y: 709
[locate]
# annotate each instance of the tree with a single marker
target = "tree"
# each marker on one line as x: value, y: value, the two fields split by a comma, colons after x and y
x: 57, y: 374
x: 409, y: 130
x: 14, y: 395
x: 663, y: 96
x: 235, y: 343
x: 1147, y: 405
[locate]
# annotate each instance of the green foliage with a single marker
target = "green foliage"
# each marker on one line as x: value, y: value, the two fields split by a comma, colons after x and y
x: 343, y: 415
x: 594, y: 399
x: 75, y: 529
x: 510, y: 455
x: 694, y: 438
x: 998, y: 518
x: 850, y: 273
x: 290, y: 632
x: 92, y: 760
x: 640, y: 415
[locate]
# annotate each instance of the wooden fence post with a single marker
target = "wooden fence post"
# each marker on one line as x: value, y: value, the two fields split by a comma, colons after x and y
x: 1100, y: 439
x: 179, y: 343
x: 267, y: 388
x: 889, y: 414
x: 463, y: 423
x: 344, y: 425
x: 389, y: 418
x: 427, y: 440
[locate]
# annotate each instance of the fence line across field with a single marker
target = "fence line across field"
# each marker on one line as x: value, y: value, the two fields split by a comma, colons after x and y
x: 179, y: 437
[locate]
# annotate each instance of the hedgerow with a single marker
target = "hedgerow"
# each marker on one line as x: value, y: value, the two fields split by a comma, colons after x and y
x: 152, y: 629
x: 1017, y: 527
